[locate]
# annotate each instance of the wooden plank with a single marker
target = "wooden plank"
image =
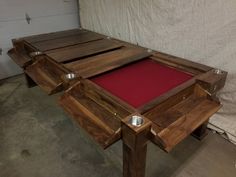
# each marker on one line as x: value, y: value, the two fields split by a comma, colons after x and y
x: 182, y: 61
x: 179, y: 116
x: 54, y: 35
x: 66, y: 41
x: 98, y: 64
x: 67, y: 54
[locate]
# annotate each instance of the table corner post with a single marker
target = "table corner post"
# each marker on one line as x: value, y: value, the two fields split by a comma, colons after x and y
x: 135, y: 129
x: 201, y: 132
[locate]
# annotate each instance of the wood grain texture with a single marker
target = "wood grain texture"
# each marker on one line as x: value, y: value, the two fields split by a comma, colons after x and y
x: 54, y: 35
x: 20, y: 59
x: 174, y: 115
x: 175, y: 119
x: 67, y: 54
x: 211, y: 81
x: 98, y: 64
x: 47, y: 74
x: 182, y: 62
x: 89, y: 106
x: 66, y: 41
x: 134, y: 147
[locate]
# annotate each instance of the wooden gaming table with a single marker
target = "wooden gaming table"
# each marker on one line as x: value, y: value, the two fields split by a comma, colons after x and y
x: 115, y: 90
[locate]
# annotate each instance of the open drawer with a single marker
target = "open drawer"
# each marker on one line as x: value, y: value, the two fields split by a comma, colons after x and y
x: 96, y: 111
x: 47, y: 74
x: 177, y: 117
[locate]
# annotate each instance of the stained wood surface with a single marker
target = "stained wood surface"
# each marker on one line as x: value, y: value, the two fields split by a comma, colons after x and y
x: 66, y: 41
x: 53, y: 35
x: 67, y: 54
x: 47, y: 74
x: 21, y: 59
x: 95, y: 111
x: 181, y: 61
x: 173, y: 115
x: 98, y: 64
x: 175, y: 119
x: 134, y: 147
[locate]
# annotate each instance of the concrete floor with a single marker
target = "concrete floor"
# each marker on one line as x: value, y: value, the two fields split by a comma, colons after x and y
x: 37, y: 139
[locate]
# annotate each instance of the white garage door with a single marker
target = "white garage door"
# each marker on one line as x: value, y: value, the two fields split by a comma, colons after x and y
x: 46, y: 16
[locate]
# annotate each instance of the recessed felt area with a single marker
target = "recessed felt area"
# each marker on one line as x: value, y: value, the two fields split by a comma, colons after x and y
x: 141, y: 82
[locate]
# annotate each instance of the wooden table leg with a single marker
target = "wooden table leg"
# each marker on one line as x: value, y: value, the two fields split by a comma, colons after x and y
x: 201, y: 131
x: 30, y: 83
x: 134, y: 147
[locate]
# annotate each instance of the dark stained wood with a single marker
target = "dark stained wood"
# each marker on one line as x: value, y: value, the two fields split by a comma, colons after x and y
x: 98, y: 64
x: 182, y: 61
x: 105, y: 99
x: 67, y: 54
x: 90, y: 109
x: 53, y: 35
x: 66, y: 41
x: 134, y: 147
x: 201, y: 132
x: 168, y: 119
x: 98, y: 130
x: 166, y: 96
x: 211, y: 81
x: 176, y: 122
x: 20, y: 59
x: 30, y: 83
x: 47, y: 74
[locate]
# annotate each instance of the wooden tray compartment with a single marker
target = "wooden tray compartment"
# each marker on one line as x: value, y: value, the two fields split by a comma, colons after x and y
x: 177, y: 117
x: 20, y: 53
x: 47, y: 74
x: 95, y: 111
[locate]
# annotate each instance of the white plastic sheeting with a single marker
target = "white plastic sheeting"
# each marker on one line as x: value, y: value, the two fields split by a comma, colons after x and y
x: 199, y: 30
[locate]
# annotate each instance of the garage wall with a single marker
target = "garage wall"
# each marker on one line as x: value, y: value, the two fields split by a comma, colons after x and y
x: 200, y: 30
x: 46, y: 16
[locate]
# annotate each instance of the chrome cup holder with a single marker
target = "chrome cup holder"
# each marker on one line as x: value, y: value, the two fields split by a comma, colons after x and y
x: 218, y: 71
x: 136, y: 121
x: 70, y: 76
x: 34, y: 54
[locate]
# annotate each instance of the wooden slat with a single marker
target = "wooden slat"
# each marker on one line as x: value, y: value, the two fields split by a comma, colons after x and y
x: 182, y: 61
x: 54, y: 35
x: 66, y: 41
x: 107, y: 61
x: 82, y: 50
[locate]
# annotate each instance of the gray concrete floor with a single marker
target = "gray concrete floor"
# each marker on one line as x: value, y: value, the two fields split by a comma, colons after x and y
x: 37, y: 139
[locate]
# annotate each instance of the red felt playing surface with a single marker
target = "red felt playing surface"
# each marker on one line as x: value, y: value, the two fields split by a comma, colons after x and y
x: 141, y: 82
